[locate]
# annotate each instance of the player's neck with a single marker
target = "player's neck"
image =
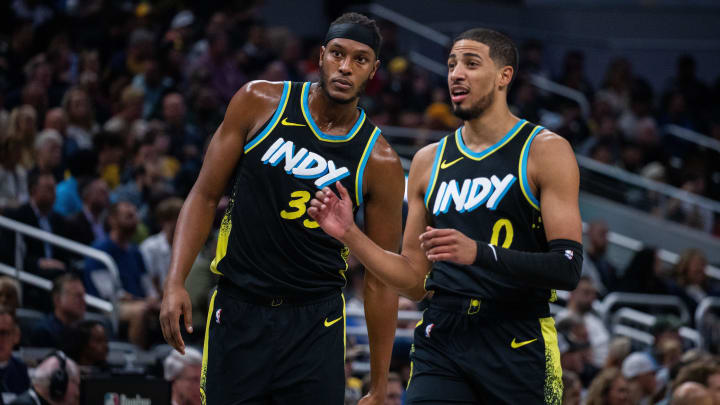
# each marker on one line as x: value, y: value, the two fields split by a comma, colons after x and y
x: 329, y: 115
x: 488, y: 128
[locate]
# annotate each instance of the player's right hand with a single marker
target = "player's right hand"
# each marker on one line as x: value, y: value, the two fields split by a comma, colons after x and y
x: 333, y: 214
x: 176, y: 302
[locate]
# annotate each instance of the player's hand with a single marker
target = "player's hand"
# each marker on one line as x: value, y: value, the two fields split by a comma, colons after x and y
x: 448, y: 245
x: 372, y: 399
x: 333, y: 214
x: 176, y: 302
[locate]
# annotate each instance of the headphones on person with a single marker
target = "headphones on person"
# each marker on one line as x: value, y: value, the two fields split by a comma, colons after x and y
x: 59, y: 378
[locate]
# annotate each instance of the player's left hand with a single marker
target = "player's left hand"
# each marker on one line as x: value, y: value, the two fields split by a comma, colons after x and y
x: 448, y: 245
x: 372, y: 399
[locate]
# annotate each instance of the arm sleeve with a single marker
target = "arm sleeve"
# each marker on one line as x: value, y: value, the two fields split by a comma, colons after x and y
x: 559, y: 268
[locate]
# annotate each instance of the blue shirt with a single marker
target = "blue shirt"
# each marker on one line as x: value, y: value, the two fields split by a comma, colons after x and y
x: 130, y: 265
x: 67, y: 197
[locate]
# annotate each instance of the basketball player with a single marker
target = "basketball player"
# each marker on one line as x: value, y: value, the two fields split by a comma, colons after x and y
x: 493, y: 228
x: 276, y: 326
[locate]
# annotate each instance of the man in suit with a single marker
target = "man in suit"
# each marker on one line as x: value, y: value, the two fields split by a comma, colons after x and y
x: 39, y: 257
x: 86, y: 226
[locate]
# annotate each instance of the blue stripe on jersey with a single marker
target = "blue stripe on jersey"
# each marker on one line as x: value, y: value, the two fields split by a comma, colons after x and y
x: 273, y: 121
x: 524, y: 184
x: 434, y: 172
x: 360, y: 174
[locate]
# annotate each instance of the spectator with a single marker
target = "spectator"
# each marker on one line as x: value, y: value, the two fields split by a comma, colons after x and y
x: 572, y: 390
x: 10, y: 296
x: 184, y: 373
x: 571, y: 354
x: 579, y: 353
x: 14, y: 377
x: 41, y: 393
x: 185, y: 142
x: 134, y: 309
x: 688, y: 213
x: 154, y: 85
x: 609, y: 388
x: 40, y: 258
x: 56, y: 119
x: 693, y: 281
x: 81, y: 120
x: 666, y: 329
x: 81, y: 164
x: 156, y: 250
x: 87, y: 226
x: 640, y: 371
x: 705, y: 372
x: 68, y: 296
x: 644, y: 275
x: 87, y: 344
x: 131, y: 105
x: 405, y: 304
x: 617, y: 84
x: 219, y: 67
x: 22, y: 126
x: 395, y: 390
x: 13, y: 176
x: 691, y: 393
x: 618, y: 350
x: 48, y: 153
x: 595, y: 264
x: 580, y: 303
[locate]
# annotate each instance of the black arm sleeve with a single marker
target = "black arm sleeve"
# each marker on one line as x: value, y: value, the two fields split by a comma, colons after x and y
x: 558, y: 268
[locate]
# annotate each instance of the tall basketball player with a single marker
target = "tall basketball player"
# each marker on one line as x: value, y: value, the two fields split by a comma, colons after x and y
x: 276, y: 326
x: 493, y: 228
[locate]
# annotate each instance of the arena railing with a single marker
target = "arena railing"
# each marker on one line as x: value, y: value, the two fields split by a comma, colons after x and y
x: 656, y: 301
x: 633, y: 318
x: 21, y: 276
x: 692, y: 136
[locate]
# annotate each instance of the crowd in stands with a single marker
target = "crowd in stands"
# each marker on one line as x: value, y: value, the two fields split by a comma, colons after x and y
x: 107, y: 107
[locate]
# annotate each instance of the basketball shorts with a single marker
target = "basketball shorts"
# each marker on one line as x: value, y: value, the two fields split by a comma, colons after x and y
x: 466, y: 351
x: 273, y: 351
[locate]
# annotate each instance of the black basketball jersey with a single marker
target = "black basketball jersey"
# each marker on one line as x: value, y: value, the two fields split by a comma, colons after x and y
x: 268, y: 244
x: 487, y: 197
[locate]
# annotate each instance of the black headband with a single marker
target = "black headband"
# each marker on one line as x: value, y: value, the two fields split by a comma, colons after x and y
x: 356, y: 32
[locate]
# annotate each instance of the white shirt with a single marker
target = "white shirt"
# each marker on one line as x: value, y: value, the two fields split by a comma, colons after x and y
x: 156, y: 251
x: 597, y: 333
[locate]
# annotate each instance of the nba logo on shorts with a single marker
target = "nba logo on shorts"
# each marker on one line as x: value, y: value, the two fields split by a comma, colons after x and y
x: 112, y: 398
x: 217, y: 315
x: 569, y: 254
x: 428, y: 329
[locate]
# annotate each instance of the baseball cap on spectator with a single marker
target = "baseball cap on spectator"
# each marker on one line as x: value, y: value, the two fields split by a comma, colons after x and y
x: 665, y: 323
x: 182, y: 19
x: 637, y: 364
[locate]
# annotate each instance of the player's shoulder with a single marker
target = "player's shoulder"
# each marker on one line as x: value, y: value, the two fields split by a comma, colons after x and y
x: 547, y: 141
x: 259, y: 92
x: 426, y: 154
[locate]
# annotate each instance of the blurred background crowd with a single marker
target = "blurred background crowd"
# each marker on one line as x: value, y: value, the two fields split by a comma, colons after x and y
x: 106, y: 108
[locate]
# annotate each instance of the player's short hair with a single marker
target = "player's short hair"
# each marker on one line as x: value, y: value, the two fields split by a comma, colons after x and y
x: 365, y: 21
x: 502, y: 49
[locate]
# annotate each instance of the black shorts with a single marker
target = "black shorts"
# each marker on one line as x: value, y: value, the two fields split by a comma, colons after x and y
x: 465, y: 352
x: 273, y: 351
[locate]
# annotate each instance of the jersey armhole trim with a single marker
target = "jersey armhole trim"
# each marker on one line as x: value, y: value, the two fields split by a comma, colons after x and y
x: 273, y: 121
x: 360, y: 173
x: 522, y: 169
x: 434, y: 172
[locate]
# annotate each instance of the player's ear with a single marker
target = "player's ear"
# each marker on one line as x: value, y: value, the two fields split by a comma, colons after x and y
x: 505, y: 75
x: 376, y: 66
x: 322, y: 55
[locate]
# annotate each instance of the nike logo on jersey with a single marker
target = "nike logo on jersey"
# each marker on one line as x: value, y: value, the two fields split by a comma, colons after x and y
x: 515, y: 344
x: 444, y: 165
x: 472, y: 193
x: 304, y: 164
x: 331, y: 323
x: 290, y: 124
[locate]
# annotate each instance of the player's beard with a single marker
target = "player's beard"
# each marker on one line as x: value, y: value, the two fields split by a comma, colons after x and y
x: 475, y: 110
x: 323, y: 86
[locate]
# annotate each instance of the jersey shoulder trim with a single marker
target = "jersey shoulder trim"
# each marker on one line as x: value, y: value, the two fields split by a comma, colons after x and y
x: 435, y: 168
x: 316, y: 130
x: 489, y: 151
x: 360, y: 173
x: 273, y: 121
x: 522, y: 169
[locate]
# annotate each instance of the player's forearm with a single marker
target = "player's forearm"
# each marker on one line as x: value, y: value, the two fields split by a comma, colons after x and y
x: 559, y: 268
x: 391, y: 268
x: 191, y: 232
x: 381, y: 316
